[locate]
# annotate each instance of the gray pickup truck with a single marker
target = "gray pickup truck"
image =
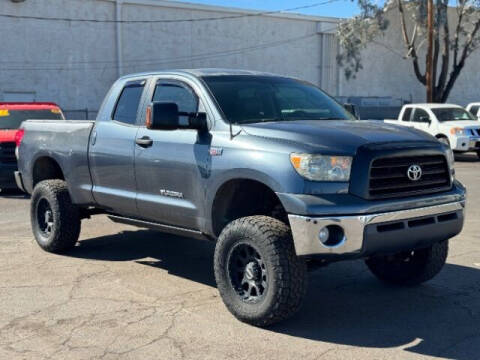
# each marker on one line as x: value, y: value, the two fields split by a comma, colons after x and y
x: 272, y: 169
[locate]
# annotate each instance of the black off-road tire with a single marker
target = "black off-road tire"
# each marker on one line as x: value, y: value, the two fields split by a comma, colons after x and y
x: 478, y: 153
x: 410, y: 268
x: 64, y: 219
x: 285, y: 273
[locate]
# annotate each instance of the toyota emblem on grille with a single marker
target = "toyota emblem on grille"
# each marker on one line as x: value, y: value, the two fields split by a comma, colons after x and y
x: 414, y: 172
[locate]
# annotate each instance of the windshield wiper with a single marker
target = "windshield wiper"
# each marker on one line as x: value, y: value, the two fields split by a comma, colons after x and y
x: 252, y: 121
x: 330, y: 118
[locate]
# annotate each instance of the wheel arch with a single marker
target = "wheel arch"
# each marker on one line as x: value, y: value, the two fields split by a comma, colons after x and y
x: 46, y: 168
x: 244, y: 196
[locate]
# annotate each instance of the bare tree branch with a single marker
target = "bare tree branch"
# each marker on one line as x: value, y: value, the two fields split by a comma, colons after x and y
x: 457, y: 68
x: 443, y: 14
x: 410, y: 45
x: 461, y: 16
x: 452, y: 45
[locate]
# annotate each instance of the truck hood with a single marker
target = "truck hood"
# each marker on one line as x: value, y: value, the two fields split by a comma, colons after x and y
x: 340, y: 136
x: 461, y: 123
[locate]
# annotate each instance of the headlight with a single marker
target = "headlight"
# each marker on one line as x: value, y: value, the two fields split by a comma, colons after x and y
x: 458, y: 131
x: 322, y: 167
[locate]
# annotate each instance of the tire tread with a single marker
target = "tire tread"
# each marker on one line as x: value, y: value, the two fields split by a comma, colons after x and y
x: 67, y: 216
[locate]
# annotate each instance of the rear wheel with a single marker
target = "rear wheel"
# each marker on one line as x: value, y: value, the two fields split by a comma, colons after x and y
x: 259, y: 276
x: 411, y: 267
x: 55, y: 220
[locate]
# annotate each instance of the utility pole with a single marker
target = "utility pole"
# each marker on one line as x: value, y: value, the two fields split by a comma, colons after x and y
x: 429, y: 71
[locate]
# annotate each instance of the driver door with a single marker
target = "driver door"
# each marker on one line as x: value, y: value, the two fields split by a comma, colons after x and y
x: 169, y: 172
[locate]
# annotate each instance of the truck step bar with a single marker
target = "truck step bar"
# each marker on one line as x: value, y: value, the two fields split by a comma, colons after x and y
x: 175, y: 230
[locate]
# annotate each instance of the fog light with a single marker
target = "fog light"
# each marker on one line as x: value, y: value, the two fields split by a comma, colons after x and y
x: 332, y: 236
x: 324, y: 234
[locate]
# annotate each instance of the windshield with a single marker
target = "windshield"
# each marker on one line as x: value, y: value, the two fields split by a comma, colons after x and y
x: 452, y: 114
x: 248, y: 99
x: 11, y: 119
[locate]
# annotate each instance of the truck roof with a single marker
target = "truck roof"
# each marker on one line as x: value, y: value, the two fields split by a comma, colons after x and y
x: 28, y: 106
x: 434, y: 106
x: 203, y: 72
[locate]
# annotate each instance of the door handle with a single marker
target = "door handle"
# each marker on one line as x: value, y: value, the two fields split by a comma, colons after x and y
x: 94, y: 137
x: 144, y: 141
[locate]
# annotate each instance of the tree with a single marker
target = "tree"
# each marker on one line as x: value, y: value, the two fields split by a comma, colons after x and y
x: 456, y: 35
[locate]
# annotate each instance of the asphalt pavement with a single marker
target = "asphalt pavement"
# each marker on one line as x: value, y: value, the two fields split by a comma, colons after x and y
x: 125, y: 293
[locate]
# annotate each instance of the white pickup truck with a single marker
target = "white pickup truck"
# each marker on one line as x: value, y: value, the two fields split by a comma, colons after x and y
x: 450, y: 124
x: 474, y: 108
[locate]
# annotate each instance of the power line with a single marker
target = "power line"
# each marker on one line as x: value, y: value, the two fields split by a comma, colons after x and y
x: 196, y: 57
x: 210, y: 54
x: 145, y: 21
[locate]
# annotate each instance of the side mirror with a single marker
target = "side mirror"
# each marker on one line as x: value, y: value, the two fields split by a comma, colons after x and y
x: 352, y: 109
x: 165, y: 116
x: 425, y: 119
x: 162, y: 116
x: 198, y: 121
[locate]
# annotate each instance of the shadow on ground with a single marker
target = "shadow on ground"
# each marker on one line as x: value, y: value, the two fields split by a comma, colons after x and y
x: 14, y: 194
x: 467, y: 157
x: 345, y: 305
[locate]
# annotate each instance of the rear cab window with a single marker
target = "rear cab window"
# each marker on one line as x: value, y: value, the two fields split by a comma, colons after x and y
x: 407, y: 114
x: 128, y: 103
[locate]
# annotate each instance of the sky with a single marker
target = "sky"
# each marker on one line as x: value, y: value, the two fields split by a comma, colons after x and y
x: 338, y: 8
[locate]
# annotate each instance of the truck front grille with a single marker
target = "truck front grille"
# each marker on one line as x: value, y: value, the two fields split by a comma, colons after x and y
x: 7, y: 152
x: 389, y: 176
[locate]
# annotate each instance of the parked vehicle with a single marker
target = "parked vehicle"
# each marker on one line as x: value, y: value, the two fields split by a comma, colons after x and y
x: 474, y: 108
x: 271, y: 168
x: 450, y: 124
x: 11, y: 116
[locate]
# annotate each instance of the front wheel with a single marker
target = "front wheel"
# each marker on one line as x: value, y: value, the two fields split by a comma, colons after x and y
x: 411, y: 267
x: 259, y: 276
x: 55, y: 220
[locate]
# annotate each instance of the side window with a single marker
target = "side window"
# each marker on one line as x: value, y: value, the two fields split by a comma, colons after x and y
x: 128, y: 102
x: 185, y: 99
x: 474, y: 110
x: 407, y: 114
x: 419, y: 115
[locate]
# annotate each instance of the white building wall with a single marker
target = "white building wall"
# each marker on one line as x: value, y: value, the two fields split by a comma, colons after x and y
x: 74, y: 63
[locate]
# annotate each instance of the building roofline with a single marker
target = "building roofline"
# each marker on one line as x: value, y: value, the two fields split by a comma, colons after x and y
x: 225, y: 9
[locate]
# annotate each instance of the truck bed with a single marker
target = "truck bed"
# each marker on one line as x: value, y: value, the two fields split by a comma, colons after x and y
x: 67, y: 143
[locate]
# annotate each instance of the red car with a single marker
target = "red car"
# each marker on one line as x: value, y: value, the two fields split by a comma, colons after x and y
x: 11, y: 116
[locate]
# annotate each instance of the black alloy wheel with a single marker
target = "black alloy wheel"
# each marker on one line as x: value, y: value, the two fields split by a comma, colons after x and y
x: 248, y: 273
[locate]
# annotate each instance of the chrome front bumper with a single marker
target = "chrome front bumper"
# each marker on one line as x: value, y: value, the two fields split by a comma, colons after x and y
x: 433, y: 222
